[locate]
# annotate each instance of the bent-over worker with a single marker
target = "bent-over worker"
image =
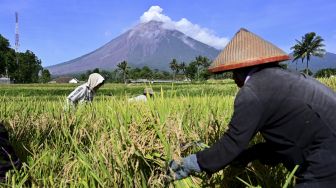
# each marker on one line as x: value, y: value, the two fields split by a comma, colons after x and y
x: 148, y: 92
x: 295, y: 114
x: 86, y: 92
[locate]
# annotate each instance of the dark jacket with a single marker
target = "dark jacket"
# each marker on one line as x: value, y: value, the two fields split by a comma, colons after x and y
x: 8, y: 158
x: 295, y: 114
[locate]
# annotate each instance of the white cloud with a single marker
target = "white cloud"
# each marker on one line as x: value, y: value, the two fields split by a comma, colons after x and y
x: 195, y: 31
x: 154, y: 13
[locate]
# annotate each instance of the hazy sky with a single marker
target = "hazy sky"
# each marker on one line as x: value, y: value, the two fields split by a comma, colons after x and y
x: 61, y: 30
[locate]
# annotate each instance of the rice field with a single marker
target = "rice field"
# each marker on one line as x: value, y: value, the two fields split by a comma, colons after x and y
x: 115, y: 143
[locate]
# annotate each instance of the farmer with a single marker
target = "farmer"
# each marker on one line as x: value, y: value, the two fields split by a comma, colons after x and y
x: 8, y: 158
x: 148, y: 92
x: 295, y: 114
x: 86, y: 92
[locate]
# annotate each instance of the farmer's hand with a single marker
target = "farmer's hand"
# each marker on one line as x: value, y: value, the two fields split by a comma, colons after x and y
x: 181, y: 169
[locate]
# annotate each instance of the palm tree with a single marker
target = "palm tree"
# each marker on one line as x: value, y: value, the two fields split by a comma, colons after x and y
x: 201, y: 61
x: 298, y: 53
x: 174, y: 66
x: 310, y: 45
x: 123, y: 67
x: 182, y: 67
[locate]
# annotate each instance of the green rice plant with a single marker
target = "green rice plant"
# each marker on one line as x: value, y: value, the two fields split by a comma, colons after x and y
x: 113, y: 142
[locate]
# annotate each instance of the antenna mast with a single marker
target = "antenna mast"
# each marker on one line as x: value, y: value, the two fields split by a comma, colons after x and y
x: 16, y: 32
x: 17, y: 37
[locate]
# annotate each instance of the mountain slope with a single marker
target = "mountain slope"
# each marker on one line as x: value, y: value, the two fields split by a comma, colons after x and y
x: 146, y: 44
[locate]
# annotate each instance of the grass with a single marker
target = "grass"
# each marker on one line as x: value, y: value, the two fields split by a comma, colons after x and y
x: 113, y: 142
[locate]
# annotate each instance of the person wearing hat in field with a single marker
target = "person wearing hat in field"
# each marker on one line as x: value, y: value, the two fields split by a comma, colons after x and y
x: 86, y: 92
x: 148, y: 92
x: 294, y: 113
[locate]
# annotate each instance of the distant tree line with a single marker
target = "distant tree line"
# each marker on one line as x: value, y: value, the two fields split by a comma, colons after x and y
x: 21, y: 67
x: 322, y: 73
x: 325, y: 73
x: 125, y: 73
x: 195, y: 70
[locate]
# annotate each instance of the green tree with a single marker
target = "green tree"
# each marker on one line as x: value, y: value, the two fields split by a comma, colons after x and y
x: 82, y: 77
x: 202, y: 63
x: 135, y: 73
x: 224, y: 75
x: 96, y: 70
x: 174, y: 66
x: 11, y: 65
x: 146, y: 73
x: 325, y: 73
x: 88, y: 72
x: 107, y: 75
x: 156, y: 74
x: 4, y: 49
x: 182, y: 67
x: 123, y: 68
x: 310, y: 45
x: 2, y: 63
x: 28, y: 69
x: 298, y: 51
x: 164, y: 75
x: 25, y: 70
x: 191, y: 70
x: 45, y: 76
x: 4, y: 44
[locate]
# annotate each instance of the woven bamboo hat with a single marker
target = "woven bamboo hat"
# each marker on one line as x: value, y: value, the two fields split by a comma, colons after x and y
x: 148, y: 91
x: 244, y: 50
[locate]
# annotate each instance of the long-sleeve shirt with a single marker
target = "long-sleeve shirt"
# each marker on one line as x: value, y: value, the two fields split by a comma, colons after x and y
x: 86, y: 92
x: 295, y: 114
x: 138, y: 98
x: 80, y: 94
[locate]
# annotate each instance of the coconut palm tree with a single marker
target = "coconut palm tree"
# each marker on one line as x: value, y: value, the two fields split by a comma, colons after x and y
x: 123, y: 68
x: 182, y: 68
x: 174, y: 66
x: 310, y: 45
x: 201, y: 62
x: 298, y: 53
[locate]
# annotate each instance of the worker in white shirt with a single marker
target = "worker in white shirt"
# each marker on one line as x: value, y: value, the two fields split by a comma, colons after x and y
x: 86, y: 92
x: 148, y: 92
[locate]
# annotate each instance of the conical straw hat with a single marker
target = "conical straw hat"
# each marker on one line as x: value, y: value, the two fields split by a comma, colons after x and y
x: 244, y: 50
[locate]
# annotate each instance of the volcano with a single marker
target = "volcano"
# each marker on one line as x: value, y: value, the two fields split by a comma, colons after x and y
x: 147, y: 44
